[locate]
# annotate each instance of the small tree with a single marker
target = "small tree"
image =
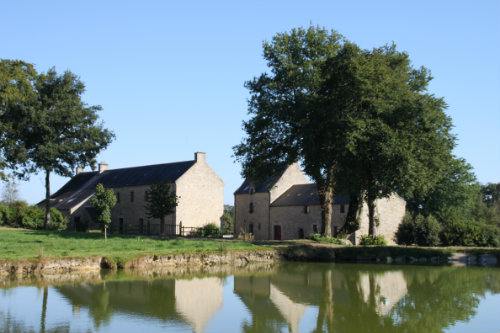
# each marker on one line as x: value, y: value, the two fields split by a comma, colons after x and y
x: 161, y: 201
x: 103, y: 201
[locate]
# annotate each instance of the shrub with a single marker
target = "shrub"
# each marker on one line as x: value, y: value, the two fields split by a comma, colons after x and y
x: 32, y: 217
x: 372, y: 240
x: 420, y: 230
x: 210, y: 230
x: 57, y: 220
x: 320, y: 238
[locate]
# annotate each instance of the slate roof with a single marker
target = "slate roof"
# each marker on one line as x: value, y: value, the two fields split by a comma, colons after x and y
x: 259, y: 187
x: 305, y: 195
x: 82, y: 186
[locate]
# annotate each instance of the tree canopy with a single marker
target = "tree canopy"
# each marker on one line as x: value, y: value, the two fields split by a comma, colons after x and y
x: 358, y: 121
x: 45, y: 124
x: 102, y: 201
x: 161, y: 201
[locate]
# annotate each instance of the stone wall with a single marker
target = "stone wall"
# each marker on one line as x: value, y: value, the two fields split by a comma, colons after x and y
x: 292, y: 176
x: 256, y: 222
x: 293, y: 218
x: 201, y: 195
x: 390, y: 213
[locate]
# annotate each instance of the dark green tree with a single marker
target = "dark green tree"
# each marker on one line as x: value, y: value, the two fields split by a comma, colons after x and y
x: 285, y: 125
x: 102, y: 201
x: 17, y: 98
x: 391, y: 135
x: 228, y: 220
x: 161, y: 201
x: 55, y: 131
x: 358, y: 121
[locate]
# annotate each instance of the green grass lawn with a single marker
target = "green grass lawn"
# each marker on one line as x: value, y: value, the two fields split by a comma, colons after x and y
x: 21, y: 245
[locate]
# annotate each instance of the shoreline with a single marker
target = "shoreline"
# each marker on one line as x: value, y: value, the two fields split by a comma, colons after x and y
x: 239, y: 259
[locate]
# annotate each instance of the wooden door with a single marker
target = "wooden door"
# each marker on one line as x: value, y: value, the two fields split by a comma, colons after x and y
x: 277, y: 232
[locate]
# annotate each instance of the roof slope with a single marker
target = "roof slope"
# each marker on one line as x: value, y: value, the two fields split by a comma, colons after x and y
x: 83, y: 185
x: 259, y: 187
x: 305, y: 195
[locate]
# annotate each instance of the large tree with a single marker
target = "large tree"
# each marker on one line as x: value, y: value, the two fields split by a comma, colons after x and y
x: 393, y: 136
x: 280, y: 130
x: 358, y: 121
x: 50, y: 129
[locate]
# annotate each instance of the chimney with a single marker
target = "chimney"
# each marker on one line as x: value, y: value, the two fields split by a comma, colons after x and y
x: 200, y: 157
x: 79, y: 170
x: 103, y: 166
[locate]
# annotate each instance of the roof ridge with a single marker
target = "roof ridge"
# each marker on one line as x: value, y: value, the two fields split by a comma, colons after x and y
x: 148, y: 165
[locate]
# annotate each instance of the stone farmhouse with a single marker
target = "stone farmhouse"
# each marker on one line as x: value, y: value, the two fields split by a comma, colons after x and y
x: 198, y: 187
x: 287, y: 207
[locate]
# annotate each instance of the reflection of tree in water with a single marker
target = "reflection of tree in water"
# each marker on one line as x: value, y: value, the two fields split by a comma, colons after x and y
x: 369, y: 298
x: 438, y: 297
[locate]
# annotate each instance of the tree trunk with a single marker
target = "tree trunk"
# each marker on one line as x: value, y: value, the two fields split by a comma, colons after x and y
x: 105, y: 233
x: 371, y: 216
x: 47, y: 199
x: 327, y: 212
x: 326, y: 192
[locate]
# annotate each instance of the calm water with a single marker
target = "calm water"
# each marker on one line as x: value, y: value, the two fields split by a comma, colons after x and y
x: 283, y: 298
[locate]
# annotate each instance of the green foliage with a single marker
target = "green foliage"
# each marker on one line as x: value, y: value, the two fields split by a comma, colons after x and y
x: 458, y: 230
x: 162, y: 201
x: 102, y: 201
x: 355, y: 119
x: 47, y: 126
x: 420, y: 230
x: 372, y: 240
x: 210, y: 230
x: 323, y: 239
x: 228, y: 220
x: 20, y: 215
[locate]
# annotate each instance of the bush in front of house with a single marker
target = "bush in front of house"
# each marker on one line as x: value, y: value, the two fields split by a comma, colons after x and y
x: 372, y: 240
x: 210, y: 230
x: 320, y: 238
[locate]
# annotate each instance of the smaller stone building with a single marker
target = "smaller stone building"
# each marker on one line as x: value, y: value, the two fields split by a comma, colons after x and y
x: 199, y: 189
x: 287, y: 207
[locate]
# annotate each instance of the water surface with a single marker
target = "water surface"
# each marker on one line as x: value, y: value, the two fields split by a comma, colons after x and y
x: 289, y: 297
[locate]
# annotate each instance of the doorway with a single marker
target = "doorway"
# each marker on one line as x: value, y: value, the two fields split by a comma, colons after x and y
x: 121, y: 226
x: 277, y: 232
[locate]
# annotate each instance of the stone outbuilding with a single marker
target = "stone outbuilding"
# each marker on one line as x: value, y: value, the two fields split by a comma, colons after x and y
x: 288, y: 207
x: 200, y: 196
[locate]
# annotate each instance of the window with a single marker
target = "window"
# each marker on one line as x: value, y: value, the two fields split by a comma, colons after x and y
x: 342, y: 208
x: 301, y: 233
x: 250, y: 208
x: 146, y: 195
x: 131, y: 196
x: 306, y: 210
x: 315, y: 228
x: 117, y: 197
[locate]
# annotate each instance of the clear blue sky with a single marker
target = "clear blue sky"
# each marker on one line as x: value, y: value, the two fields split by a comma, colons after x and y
x: 169, y: 74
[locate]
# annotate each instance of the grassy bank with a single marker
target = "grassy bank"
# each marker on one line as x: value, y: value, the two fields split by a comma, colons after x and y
x: 29, y: 245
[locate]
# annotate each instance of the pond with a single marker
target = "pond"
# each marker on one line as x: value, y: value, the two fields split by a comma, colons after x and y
x: 286, y: 297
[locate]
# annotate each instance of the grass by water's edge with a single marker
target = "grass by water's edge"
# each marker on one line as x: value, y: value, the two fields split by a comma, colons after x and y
x: 17, y: 245
x: 21, y: 245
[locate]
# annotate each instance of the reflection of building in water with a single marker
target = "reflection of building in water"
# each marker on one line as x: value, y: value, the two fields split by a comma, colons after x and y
x: 191, y: 302
x: 291, y: 311
x: 198, y: 300
x: 388, y: 289
x: 270, y: 307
